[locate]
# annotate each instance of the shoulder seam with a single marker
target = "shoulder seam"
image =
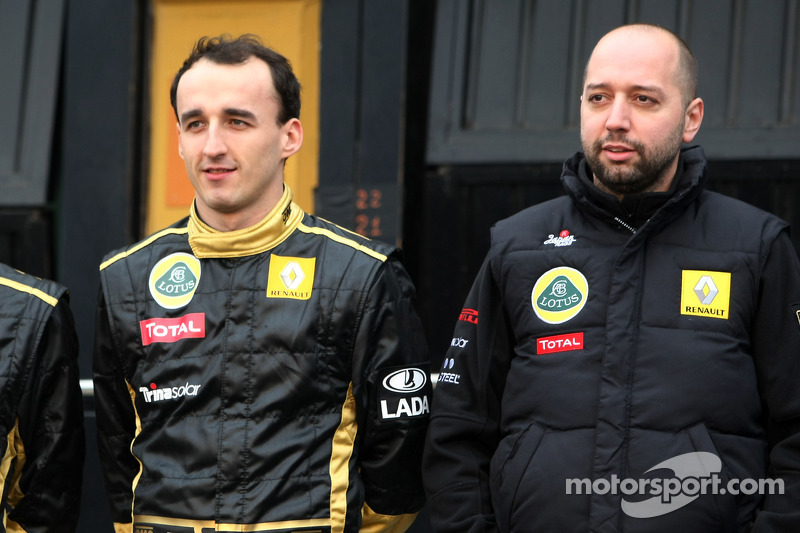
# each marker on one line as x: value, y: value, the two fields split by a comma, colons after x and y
x: 342, y: 240
x: 146, y: 242
x: 16, y: 285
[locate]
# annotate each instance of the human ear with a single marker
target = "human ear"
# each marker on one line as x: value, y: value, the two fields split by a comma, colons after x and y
x: 180, y: 149
x: 293, y: 137
x: 694, y: 117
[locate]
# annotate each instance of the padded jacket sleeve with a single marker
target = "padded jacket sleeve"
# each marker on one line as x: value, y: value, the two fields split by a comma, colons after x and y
x: 391, y: 350
x: 116, y: 421
x: 466, y: 413
x: 776, y: 345
x: 49, y: 437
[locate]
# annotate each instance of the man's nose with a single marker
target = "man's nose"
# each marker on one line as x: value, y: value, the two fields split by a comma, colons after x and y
x: 619, y: 118
x: 215, y: 143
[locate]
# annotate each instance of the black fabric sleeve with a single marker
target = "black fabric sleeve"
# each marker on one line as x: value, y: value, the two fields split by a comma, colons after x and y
x: 776, y: 346
x: 464, y: 430
x: 51, y: 433
x: 391, y: 360
x: 116, y: 420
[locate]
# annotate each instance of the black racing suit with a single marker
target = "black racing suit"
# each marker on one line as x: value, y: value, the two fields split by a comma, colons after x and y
x: 41, y: 411
x: 609, y: 350
x: 273, y: 378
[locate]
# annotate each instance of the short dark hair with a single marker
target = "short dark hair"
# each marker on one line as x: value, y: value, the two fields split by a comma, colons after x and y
x: 225, y: 50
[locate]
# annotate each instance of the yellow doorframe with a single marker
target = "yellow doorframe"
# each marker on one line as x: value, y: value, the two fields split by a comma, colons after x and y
x: 291, y: 27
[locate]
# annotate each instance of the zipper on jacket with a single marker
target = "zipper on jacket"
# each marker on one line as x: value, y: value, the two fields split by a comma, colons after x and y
x: 625, y: 225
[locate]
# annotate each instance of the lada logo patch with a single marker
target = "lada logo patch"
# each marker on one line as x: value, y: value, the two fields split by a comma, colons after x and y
x: 706, y: 293
x: 559, y: 295
x: 174, y: 280
x: 405, y: 393
x: 291, y: 277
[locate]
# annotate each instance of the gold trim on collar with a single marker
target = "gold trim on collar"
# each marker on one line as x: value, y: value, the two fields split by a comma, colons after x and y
x: 272, y: 230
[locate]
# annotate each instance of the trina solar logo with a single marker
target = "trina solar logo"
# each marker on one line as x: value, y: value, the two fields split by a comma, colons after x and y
x: 291, y: 277
x: 559, y: 295
x: 706, y: 293
x: 174, y: 280
x: 154, y: 393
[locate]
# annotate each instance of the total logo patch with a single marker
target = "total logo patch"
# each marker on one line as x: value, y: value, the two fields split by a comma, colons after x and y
x: 174, y: 279
x: 559, y: 295
x: 405, y: 393
x: 291, y: 277
x: 191, y: 326
x: 559, y: 343
x: 706, y: 293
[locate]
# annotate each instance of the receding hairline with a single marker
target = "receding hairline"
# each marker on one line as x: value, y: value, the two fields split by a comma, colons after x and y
x: 686, y: 72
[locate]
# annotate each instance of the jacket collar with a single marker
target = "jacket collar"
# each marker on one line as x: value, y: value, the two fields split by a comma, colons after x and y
x: 636, y: 210
x: 273, y: 229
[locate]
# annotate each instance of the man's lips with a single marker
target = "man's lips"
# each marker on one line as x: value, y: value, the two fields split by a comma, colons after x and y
x: 617, y: 152
x: 217, y: 173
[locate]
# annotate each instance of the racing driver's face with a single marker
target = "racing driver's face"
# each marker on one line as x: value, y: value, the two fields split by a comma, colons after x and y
x: 231, y: 142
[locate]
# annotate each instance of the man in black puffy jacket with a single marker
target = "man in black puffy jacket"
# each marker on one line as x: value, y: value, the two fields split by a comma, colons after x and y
x: 41, y: 412
x: 628, y: 358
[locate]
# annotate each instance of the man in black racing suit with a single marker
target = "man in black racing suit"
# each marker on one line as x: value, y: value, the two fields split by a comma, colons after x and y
x: 256, y: 368
x: 41, y: 412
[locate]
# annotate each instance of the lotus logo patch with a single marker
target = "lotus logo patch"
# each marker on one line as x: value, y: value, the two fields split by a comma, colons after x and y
x: 291, y: 277
x: 705, y: 293
x: 174, y: 280
x: 559, y: 295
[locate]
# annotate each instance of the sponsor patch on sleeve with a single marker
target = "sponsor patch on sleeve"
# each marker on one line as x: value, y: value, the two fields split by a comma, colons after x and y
x: 404, y: 392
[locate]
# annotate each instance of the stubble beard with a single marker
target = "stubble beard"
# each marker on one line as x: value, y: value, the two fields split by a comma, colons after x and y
x: 641, y: 176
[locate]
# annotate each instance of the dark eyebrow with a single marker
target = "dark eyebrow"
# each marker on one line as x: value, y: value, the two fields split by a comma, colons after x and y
x: 241, y: 113
x: 645, y: 88
x: 230, y: 111
x: 190, y: 114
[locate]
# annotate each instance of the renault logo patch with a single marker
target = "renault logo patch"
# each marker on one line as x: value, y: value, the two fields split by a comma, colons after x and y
x: 291, y: 277
x: 559, y: 295
x: 705, y: 293
x: 174, y: 279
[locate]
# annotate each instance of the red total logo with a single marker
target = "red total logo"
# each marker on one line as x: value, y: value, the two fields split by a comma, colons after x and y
x: 559, y: 343
x: 191, y: 326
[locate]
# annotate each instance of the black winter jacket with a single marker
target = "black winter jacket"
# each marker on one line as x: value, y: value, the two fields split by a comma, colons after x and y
x: 41, y: 411
x: 609, y: 354
x: 270, y: 379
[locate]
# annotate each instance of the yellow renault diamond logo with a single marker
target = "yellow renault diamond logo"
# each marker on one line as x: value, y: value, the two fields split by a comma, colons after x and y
x: 706, y: 293
x: 291, y: 277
